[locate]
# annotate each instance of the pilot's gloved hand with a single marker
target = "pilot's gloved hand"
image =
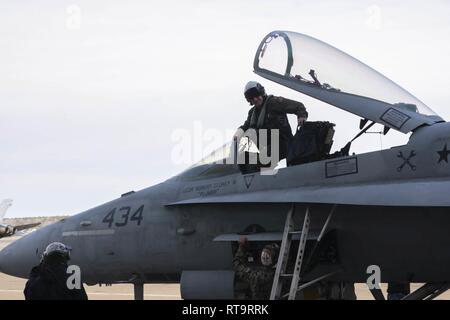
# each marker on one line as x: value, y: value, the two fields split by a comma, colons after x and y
x: 301, y: 120
x: 238, y: 134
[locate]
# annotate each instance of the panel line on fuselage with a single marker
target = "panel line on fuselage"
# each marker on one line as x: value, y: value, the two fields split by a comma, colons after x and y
x: 88, y: 233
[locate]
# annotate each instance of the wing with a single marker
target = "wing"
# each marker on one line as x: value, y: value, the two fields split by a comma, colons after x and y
x: 26, y: 226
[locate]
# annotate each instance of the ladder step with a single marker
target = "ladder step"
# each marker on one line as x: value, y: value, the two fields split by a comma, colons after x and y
x: 295, y: 232
x: 287, y: 275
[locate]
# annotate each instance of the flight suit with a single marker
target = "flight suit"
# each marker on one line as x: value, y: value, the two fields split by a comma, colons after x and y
x: 275, y: 110
x: 258, y: 278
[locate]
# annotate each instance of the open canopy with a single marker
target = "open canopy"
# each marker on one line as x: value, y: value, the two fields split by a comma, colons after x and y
x: 323, y: 72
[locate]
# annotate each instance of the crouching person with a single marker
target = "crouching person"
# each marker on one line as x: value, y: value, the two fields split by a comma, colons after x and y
x: 259, y: 278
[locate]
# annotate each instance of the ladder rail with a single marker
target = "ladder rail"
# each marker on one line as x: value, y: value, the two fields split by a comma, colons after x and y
x: 310, y: 283
x: 322, y: 233
x: 300, y: 264
x: 283, y: 255
x: 325, y: 226
x: 300, y: 255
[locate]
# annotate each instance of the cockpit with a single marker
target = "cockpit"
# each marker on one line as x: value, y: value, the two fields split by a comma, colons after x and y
x: 243, y: 156
x: 323, y: 72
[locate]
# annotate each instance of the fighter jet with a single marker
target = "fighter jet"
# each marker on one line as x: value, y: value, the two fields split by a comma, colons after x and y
x: 7, y: 230
x: 385, y: 208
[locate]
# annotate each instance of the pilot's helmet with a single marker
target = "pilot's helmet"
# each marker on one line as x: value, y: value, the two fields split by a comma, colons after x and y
x: 57, y: 248
x: 269, y: 255
x: 253, y: 89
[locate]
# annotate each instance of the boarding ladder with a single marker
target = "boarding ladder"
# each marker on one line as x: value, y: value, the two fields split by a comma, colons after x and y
x: 289, y: 232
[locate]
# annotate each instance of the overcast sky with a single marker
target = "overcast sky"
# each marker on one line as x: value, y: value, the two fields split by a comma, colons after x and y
x: 91, y: 92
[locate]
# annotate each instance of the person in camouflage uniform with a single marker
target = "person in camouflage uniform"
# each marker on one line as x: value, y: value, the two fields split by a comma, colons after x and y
x: 258, y: 278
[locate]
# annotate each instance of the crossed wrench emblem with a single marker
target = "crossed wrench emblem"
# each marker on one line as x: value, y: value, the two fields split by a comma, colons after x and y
x: 406, y: 160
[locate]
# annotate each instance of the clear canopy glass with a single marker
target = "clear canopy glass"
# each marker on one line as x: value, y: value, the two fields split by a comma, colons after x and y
x: 313, y: 62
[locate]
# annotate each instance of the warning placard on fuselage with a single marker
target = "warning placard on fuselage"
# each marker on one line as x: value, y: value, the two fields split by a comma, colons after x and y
x: 341, y: 167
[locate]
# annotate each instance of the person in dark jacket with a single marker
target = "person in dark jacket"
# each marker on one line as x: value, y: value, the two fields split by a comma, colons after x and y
x: 270, y: 112
x: 48, y: 280
x: 398, y: 290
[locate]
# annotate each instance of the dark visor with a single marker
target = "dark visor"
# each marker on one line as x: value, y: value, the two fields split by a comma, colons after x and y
x: 252, y: 93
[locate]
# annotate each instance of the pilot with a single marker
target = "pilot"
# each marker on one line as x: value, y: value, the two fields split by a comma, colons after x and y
x: 48, y: 280
x: 269, y: 112
x: 258, y: 278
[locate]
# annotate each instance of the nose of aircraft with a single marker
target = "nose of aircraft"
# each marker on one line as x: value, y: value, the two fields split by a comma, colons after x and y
x: 4, y: 256
x: 19, y: 257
